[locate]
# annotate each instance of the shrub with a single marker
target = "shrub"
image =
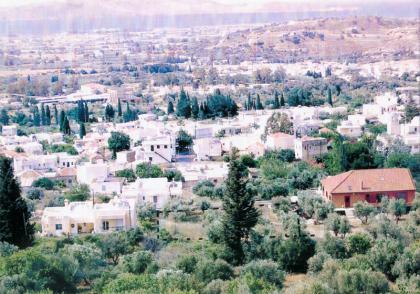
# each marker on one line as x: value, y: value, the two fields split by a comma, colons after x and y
x: 44, y: 183
x: 35, y: 194
x: 266, y: 270
x: 209, y: 270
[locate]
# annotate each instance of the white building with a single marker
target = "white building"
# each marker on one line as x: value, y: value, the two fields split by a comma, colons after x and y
x: 154, y: 191
x: 89, y: 173
x: 348, y: 129
x: 9, y: 130
x: 85, y: 217
x: 156, y: 150
x: 309, y: 148
x: 410, y: 134
x: 280, y: 141
x: 207, y: 148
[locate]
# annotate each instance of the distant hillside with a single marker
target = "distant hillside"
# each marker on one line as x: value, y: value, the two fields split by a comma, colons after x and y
x: 81, y: 16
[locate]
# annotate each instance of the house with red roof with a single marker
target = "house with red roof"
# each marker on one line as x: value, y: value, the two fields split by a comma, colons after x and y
x: 369, y: 185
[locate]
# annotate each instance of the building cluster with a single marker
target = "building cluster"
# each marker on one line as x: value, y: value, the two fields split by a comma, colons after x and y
x: 153, y: 141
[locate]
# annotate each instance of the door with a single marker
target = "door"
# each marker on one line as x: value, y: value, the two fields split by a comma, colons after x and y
x: 347, y: 201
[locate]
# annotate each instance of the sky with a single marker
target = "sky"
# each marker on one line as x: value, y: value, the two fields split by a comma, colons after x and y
x: 11, y: 3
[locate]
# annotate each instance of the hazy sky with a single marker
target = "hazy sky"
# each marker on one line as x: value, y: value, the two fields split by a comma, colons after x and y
x: 6, y: 3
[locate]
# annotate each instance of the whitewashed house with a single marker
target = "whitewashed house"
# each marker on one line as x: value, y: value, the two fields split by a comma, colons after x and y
x: 9, y: 130
x: 207, y: 148
x: 310, y: 148
x: 348, y: 129
x: 280, y: 140
x: 156, y: 150
x: 410, y: 134
x: 87, y: 217
x: 154, y: 191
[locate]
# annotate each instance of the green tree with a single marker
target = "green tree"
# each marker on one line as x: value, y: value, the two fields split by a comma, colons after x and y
x: 266, y: 270
x: 209, y: 270
x: 411, y: 110
x: 56, y: 118
x: 358, y: 243
x: 119, y: 109
x: 15, y: 226
x: 240, y: 215
x: 109, y: 112
x: 278, y: 122
x: 78, y: 193
x: 184, y: 141
x: 329, y: 97
x: 36, y: 116
x: 194, y: 108
x: 276, y: 104
x: 118, y: 142
x: 43, y: 115
x: 138, y: 262
x: 80, y: 111
x: 397, y: 208
x: 4, y: 117
x: 258, y: 103
x: 47, y: 116
x: 183, y: 108
x: 282, y: 102
x: 363, y: 211
x: 90, y: 264
x: 66, y: 126
x: 127, y: 173
x: 44, y: 183
x: 82, y: 130
x: 62, y: 119
x: 170, y: 107
x: 113, y: 246
x: 333, y: 223
x: 146, y: 170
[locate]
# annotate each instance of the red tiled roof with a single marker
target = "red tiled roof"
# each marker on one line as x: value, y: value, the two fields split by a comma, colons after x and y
x: 67, y: 172
x: 378, y: 180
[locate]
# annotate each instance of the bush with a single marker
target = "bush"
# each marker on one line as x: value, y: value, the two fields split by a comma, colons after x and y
x: 128, y: 174
x: 7, y: 249
x: 209, y: 270
x: 35, y: 194
x: 358, y: 243
x: 78, y: 193
x: 266, y: 270
x: 44, y: 183
x: 145, y: 170
x: 138, y: 263
x: 187, y: 263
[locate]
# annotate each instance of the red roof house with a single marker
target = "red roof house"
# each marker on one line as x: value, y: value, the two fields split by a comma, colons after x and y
x: 370, y: 185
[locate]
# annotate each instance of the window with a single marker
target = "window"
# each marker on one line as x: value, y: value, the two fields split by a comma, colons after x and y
x: 165, y: 146
x: 402, y: 195
x: 58, y: 226
x: 105, y: 225
x: 150, y: 159
x: 155, y: 199
x: 158, y: 146
x: 152, y: 148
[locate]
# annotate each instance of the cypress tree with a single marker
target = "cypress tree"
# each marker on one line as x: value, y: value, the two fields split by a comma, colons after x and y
x: 240, y: 215
x: 47, y: 116
x: 15, y: 227
x: 329, y: 97
x: 57, y: 122
x: 4, y: 117
x: 109, y: 112
x: 258, y: 103
x: 119, y: 110
x: 282, y: 102
x: 249, y: 104
x: 86, y: 112
x: 82, y: 130
x: 66, y: 126
x: 37, y: 119
x: 43, y: 115
x: 170, y: 107
x: 62, y: 119
x: 276, y: 101
x: 183, y: 108
x: 194, y: 108
x: 80, y: 111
